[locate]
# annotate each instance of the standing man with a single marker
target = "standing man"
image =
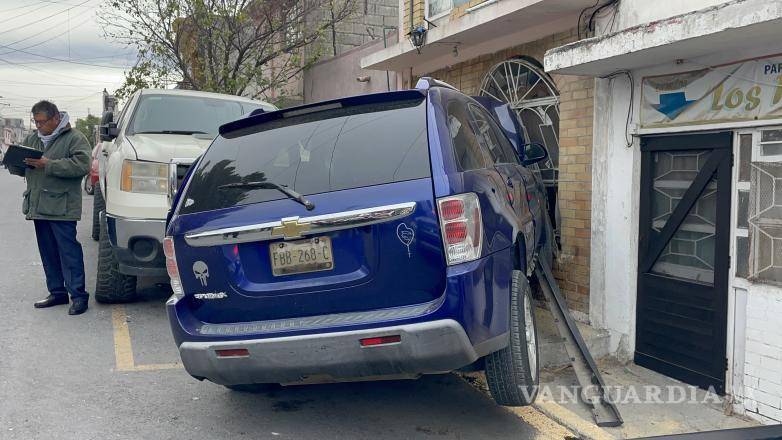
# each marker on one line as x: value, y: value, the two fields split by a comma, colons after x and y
x: 53, y: 202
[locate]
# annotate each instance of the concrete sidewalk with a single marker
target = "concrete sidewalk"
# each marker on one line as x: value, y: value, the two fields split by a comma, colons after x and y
x: 650, y: 404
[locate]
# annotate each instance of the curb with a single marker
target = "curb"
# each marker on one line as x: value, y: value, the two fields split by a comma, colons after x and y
x: 570, y: 420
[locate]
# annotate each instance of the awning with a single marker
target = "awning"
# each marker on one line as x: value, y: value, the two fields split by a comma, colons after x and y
x: 487, y: 28
x: 731, y: 26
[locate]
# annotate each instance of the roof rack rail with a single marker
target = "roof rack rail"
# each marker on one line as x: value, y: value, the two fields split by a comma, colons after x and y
x: 427, y: 82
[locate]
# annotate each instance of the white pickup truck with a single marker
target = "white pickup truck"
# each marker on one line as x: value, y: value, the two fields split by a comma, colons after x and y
x: 156, y: 131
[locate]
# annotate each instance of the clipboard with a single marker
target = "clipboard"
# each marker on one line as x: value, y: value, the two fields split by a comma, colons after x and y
x: 16, y: 154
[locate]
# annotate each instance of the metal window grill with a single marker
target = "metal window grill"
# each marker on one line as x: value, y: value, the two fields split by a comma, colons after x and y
x: 765, y: 222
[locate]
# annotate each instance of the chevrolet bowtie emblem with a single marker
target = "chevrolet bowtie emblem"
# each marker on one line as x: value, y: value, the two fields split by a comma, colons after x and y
x: 291, y: 228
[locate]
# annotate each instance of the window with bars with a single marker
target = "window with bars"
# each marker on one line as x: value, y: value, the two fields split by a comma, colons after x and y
x: 760, y: 207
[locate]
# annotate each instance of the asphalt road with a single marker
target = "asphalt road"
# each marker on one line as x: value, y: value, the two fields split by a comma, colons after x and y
x: 111, y: 373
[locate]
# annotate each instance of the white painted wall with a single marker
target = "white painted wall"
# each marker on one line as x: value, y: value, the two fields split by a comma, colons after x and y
x: 635, y: 12
x: 614, y: 245
x: 755, y: 327
x: 759, y: 396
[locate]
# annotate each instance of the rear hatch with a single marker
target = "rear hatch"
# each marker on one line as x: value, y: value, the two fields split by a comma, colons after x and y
x: 248, y: 252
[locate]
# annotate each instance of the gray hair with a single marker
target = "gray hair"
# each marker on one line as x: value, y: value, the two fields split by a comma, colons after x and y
x: 46, y: 107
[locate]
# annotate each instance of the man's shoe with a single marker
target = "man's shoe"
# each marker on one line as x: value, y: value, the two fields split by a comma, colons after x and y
x: 50, y: 301
x: 78, y: 307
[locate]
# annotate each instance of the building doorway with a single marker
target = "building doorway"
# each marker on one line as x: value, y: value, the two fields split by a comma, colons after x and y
x: 522, y: 83
x: 683, y: 261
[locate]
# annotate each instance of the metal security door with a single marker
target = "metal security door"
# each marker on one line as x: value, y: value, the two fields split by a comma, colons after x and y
x: 683, y: 257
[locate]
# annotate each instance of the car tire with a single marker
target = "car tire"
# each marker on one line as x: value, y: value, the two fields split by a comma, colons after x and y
x: 88, y: 188
x: 513, y: 373
x: 98, y: 205
x: 111, y: 286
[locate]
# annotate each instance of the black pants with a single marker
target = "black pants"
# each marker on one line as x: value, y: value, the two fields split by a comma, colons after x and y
x: 62, y: 258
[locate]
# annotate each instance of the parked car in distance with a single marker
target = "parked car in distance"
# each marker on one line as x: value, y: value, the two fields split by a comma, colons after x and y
x: 378, y: 236
x: 155, y: 128
x: 91, y: 179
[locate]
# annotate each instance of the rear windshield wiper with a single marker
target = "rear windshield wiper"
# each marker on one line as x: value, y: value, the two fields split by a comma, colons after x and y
x: 271, y: 185
x: 172, y: 132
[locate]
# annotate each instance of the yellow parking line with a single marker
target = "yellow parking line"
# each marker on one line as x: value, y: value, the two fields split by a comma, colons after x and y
x: 123, y: 350
x: 123, y: 347
x: 156, y: 367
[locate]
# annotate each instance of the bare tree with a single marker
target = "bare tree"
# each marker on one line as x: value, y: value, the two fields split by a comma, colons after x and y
x: 240, y: 47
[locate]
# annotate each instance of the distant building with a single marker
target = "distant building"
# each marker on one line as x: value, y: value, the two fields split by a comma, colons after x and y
x: 371, y: 27
x: 12, y: 130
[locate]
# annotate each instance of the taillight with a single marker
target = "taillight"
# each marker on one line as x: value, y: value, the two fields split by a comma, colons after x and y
x: 451, y: 209
x: 172, y: 268
x: 460, y: 224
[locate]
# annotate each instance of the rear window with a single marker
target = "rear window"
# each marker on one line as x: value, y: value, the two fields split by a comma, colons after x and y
x: 313, y: 153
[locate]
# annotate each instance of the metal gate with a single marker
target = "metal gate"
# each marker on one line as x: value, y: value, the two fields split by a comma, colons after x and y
x: 523, y: 84
x: 684, y: 257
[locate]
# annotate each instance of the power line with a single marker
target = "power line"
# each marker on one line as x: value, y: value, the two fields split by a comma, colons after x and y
x: 15, y: 8
x: 60, y: 60
x: 12, y: 50
x: 28, y: 83
x: 62, y: 3
x: 17, y: 97
x: 25, y: 13
x: 27, y: 63
x: 89, y: 19
x: 44, y: 18
x: 59, y: 76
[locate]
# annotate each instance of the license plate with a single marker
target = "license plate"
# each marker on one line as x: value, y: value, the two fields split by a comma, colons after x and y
x: 302, y: 256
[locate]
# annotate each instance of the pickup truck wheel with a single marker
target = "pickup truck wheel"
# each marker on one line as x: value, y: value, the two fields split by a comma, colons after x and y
x: 513, y: 372
x: 112, y: 286
x: 98, y: 205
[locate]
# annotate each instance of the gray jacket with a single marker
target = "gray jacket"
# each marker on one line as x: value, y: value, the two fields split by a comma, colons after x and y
x: 54, y: 192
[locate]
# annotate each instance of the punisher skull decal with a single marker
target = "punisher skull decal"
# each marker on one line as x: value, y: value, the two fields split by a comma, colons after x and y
x: 201, y: 272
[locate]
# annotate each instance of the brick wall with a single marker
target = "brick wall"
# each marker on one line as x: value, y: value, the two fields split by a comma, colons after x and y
x: 575, y: 161
x: 369, y: 20
x: 762, y: 397
x: 418, y: 14
x: 366, y: 24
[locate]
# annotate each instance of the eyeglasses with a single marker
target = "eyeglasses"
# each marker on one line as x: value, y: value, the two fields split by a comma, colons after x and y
x: 39, y: 123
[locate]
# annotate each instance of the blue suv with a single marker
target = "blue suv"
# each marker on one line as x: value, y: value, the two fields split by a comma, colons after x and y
x: 380, y: 236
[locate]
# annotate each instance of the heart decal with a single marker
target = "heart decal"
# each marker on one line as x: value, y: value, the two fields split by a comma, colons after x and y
x: 406, y: 235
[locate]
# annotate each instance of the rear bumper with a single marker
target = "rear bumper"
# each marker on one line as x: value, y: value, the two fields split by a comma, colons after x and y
x: 468, y: 321
x: 137, y: 245
x: 425, y: 348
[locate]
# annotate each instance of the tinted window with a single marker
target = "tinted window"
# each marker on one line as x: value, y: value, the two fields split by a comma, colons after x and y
x: 185, y: 114
x: 313, y: 153
x: 490, y: 137
x: 466, y: 146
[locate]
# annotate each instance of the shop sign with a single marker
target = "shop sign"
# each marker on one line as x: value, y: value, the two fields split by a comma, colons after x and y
x: 744, y: 91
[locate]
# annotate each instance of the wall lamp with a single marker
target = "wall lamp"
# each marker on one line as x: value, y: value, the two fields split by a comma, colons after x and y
x: 418, y: 37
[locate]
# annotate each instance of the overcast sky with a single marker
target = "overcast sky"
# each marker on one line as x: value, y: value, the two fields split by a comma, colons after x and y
x: 83, y: 64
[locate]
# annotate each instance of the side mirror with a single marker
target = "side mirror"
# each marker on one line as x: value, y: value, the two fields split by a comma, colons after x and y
x: 108, y: 128
x: 109, y: 132
x: 106, y: 118
x: 533, y: 153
